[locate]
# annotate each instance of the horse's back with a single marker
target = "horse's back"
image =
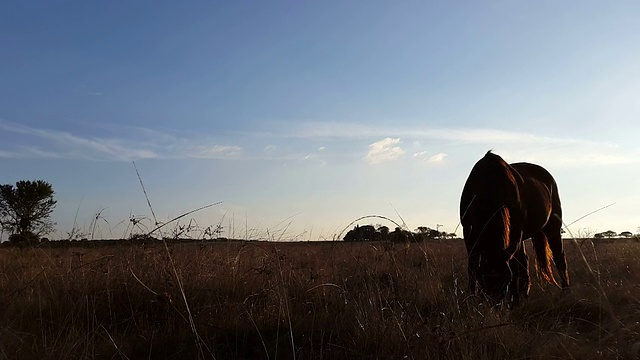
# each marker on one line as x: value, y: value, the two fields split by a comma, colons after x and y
x: 539, y: 193
x: 533, y: 171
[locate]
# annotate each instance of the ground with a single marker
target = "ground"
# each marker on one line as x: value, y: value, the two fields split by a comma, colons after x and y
x: 311, y: 300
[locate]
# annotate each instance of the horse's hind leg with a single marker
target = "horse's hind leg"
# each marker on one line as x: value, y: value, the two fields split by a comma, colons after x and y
x: 552, y: 230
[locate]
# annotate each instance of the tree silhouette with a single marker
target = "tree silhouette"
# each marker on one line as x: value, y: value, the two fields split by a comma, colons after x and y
x: 383, y: 232
x: 399, y: 235
x: 606, y: 234
x: 423, y: 230
x: 26, y: 208
x: 362, y: 233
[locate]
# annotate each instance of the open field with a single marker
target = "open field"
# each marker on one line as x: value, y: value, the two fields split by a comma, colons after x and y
x: 258, y: 300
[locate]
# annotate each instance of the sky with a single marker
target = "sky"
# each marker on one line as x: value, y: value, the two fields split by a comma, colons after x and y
x: 303, y: 116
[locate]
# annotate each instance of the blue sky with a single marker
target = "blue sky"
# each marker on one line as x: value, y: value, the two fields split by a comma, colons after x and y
x: 303, y: 116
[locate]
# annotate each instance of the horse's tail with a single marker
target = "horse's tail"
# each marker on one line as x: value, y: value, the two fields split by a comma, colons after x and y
x: 543, y: 257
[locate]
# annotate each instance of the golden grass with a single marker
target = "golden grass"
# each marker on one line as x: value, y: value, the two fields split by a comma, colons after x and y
x: 258, y: 300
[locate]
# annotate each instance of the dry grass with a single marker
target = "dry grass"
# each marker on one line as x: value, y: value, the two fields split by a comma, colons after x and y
x: 257, y: 300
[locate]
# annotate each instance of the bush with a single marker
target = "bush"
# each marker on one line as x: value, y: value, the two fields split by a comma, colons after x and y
x: 25, y: 238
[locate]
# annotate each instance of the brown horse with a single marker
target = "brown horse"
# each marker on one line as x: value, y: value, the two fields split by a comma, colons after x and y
x: 501, y: 206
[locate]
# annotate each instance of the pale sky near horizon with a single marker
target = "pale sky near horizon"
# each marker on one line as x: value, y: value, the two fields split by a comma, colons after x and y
x: 304, y: 116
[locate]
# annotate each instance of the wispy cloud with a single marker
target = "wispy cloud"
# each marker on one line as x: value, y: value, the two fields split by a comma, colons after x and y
x: 564, y: 151
x: 317, y: 157
x: 8, y: 154
x: 575, y: 156
x: 65, y: 144
x: 425, y: 157
x: 24, y: 152
x: 306, y: 142
x: 148, y: 144
x: 460, y: 135
x: 217, y: 151
x: 383, y: 151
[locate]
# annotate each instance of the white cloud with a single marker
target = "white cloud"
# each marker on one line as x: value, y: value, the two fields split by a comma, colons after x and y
x: 430, y: 159
x: 315, y: 159
x: 384, y: 150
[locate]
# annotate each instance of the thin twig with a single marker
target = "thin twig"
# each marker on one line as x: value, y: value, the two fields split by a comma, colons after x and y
x: 145, y: 193
x: 122, y: 355
x: 141, y: 283
x: 483, y: 328
x: 75, y: 219
x: 591, y: 213
x: 192, y: 323
x: 404, y: 224
x: 181, y: 216
x: 264, y: 346
x: 325, y: 284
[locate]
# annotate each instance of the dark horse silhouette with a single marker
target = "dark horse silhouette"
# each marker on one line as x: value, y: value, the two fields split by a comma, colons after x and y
x: 501, y: 206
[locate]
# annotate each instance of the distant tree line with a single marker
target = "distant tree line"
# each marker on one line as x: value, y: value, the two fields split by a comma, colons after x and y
x: 383, y: 233
x: 612, y: 234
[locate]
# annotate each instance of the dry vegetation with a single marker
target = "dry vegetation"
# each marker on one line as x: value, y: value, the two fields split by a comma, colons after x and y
x: 257, y: 300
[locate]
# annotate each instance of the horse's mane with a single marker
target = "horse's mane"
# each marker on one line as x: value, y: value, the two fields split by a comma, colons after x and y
x: 494, y: 187
x: 494, y: 164
x: 493, y: 177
